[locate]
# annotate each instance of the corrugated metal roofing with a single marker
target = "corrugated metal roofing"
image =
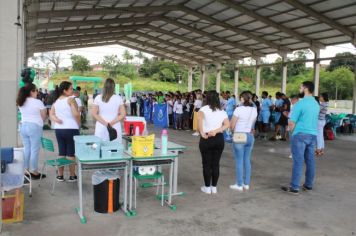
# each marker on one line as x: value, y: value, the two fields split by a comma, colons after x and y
x: 191, y: 31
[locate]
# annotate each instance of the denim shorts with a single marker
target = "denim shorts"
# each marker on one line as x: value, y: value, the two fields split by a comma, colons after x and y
x: 66, y: 142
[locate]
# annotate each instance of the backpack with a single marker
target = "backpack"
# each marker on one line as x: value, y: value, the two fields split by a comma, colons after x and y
x: 328, y: 134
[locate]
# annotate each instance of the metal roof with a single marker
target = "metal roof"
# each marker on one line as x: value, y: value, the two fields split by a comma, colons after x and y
x: 191, y: 31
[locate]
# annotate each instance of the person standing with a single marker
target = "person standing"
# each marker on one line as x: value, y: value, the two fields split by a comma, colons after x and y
x: 231, y: 104
x: 277, y: 116
x: 170, y: 109
x: 212, y: 121
x: 108, y: 110
x: 304, y: 127
x: 178, y: 110
x: 265, y: 113
x: 243, y: 121
x: 33, y: 113
x: 198, y: 103
x: 324, y: 103
x: 85, y: 100
x: 133, y: 105
x: 66, y: 118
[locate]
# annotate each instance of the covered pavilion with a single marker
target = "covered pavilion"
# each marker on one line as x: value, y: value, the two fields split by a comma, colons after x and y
x: 190, y: 32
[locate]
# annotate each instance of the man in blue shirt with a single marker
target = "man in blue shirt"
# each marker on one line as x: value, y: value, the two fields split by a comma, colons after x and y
x: 265, y: 113
x: 304, y: 126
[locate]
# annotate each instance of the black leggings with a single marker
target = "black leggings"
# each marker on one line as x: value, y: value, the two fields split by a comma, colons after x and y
x: 211, y: 150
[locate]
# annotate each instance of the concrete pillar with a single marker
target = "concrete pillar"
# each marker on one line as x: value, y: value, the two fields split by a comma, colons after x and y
x: 236, y: 80
x: 316, y: 71
x: 203, y: 78
x: 284, y: 73
x: 258, y: 76
x: 190, y: 78
x: 10, y: 65
x: 354, y: 94
x: 218, y: 77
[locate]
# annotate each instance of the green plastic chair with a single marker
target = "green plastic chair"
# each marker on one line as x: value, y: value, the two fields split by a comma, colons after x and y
x: 157, y: 176
x: 47, y: 146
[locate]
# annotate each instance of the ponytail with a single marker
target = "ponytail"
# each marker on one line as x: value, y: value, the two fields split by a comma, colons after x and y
x: 24, y: 93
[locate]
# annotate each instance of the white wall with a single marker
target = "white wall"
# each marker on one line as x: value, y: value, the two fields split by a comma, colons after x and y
x: 10, y: 41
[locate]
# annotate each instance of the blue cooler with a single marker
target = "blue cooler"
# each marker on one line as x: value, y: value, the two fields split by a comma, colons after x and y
x: 112, y: 149
x: 87, y: 145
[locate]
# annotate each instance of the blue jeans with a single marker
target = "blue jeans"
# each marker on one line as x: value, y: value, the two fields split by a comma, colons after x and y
x: 303, y: 148
x: 320, y: 140
x: 242, y: 155
x: 31, y: 134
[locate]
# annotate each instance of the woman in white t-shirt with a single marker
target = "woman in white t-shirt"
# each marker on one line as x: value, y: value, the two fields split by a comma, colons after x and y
x: 198, y: 103
x: 33, y: 113
x: 66, y: 121
x: 243, y: 121
x: 212, y: 121
x: 108, y: 109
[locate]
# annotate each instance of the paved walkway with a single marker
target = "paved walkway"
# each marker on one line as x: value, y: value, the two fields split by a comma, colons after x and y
x: 263, y: 211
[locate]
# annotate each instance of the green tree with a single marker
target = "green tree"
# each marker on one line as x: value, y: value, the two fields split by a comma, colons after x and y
x: 110, y: 64
x: 80, y: 63
x: 54, y: 58
x: 338, y: 62
x: 167, y: 75
x: 338, y: 83
x: 140, y: 56
x: 127, y: 56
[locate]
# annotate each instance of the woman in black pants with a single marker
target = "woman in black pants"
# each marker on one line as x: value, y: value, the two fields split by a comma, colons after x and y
x: 212, y: 121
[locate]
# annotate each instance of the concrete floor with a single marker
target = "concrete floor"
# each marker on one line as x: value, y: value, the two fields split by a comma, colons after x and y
x: 263, y: 211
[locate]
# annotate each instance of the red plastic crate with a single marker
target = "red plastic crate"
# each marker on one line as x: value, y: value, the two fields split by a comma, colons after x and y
x: 139, y: 124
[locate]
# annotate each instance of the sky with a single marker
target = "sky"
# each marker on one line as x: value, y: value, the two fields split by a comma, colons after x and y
x: 96, y: 54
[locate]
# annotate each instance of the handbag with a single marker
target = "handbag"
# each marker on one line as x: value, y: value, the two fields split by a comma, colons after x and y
x: 240, y: 137
x: 112, y: 133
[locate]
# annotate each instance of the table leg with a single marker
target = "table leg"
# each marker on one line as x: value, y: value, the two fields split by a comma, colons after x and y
x: 130, y: 189
x: 169, y: 201
x: 80, y: 187
x: 175, y: 177
x: 170, y: 182
x: 125, y: 188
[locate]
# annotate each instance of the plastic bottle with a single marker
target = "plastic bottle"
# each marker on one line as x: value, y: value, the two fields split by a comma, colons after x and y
x: 137, y: 131
x: 164, y: 142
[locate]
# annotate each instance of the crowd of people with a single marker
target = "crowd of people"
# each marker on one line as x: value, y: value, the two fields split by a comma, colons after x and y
x: 213, y: 117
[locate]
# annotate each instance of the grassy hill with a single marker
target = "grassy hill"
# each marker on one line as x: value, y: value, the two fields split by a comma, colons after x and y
x: 148, y: 84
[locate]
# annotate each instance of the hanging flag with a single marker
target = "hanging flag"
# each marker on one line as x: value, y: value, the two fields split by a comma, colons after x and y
x: 147, y: 110
x: 117, y: 89
x: 127, y: 91
x: 50, y: 86
x: 160, y: 115
x: 37, y: 83
x: 130, y: 89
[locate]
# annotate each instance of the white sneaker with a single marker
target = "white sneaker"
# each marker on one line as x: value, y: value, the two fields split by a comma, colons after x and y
x: 206, y: 190
x: 214, y: 190
x: 236, y: 187
x: 246, y: 187
x: 290, y: 156
x: 195, y: 134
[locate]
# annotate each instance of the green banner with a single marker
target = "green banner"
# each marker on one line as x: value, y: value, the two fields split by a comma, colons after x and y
x: 37, y: 83
x: 50, y: 86
x: 117, y: 89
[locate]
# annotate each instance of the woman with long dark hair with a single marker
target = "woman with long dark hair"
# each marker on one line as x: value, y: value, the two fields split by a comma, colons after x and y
x: 66, y: 118
x: 108, y: 110
x: 324, y: 103
x: 242, y: 123
x: 33, y: 113
x: 212, y: 121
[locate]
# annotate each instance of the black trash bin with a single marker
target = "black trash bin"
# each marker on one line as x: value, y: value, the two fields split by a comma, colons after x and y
x: 106, y: 192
